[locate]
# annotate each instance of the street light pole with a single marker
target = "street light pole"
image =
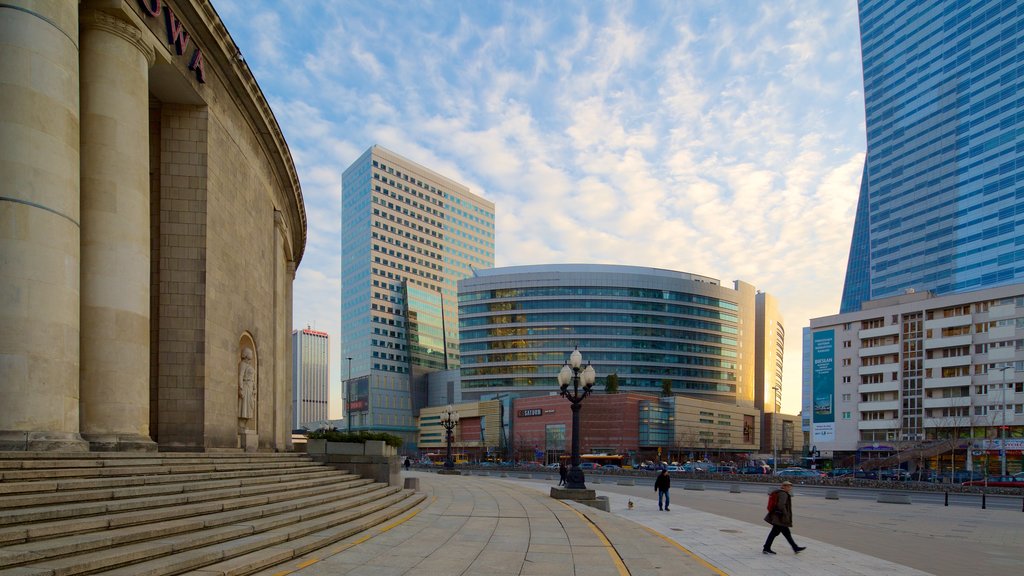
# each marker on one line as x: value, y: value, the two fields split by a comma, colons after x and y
x: 582, y: 379
x: 775, y: 441
x: 449, y: 418
x: 1002, y: 434
x: 348, y: 397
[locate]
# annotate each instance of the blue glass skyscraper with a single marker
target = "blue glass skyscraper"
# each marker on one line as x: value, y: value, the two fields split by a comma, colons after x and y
x: 943, y: 185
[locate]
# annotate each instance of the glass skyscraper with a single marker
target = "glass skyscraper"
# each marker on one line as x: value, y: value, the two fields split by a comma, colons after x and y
x: 943, y: 180
x: 408, y: 235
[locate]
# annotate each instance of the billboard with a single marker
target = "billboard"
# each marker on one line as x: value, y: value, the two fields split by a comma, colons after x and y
x: 823, y: 387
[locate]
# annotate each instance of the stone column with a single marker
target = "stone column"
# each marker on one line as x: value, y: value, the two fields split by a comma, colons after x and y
x: 39, y: 226
x: 115, y: 234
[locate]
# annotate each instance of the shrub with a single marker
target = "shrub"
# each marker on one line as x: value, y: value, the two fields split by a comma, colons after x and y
x: 335, y: 435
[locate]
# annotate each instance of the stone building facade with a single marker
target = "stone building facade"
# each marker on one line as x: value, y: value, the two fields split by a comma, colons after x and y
x: 150, y: 226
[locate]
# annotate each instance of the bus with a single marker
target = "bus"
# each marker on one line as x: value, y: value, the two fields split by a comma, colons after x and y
x: 438, y: 459
x: 591, y: 461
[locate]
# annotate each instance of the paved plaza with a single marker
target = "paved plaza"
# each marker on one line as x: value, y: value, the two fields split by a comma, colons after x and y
x: 497, y: 526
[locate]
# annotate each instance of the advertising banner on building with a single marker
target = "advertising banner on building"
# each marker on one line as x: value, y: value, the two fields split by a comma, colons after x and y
x: 823, y: 385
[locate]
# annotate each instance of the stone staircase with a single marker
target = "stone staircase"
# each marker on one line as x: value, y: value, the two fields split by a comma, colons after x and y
x: 174, y: 513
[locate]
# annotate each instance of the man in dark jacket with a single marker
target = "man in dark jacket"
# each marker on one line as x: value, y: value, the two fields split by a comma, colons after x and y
x: 780, y: 516
x: 661, y: 486
x: 563, y: 473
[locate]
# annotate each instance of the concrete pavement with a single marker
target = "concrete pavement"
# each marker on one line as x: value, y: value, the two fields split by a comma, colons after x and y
x: 491, y: 525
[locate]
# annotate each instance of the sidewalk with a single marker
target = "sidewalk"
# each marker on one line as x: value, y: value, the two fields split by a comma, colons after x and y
x: 471, y: 525
x: 510, y: 526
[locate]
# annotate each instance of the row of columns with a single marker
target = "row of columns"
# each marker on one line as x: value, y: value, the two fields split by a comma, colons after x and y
x: 74, y: 229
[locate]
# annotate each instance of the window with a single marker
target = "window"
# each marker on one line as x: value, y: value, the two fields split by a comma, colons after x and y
x: 846, y: 415
x: 846, y: 361
x: 846, y: 379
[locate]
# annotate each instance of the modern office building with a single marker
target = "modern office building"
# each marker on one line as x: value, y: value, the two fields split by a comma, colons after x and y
x: 652, y: 328
x: 310, y: 377
x: 935, y: 377
x: 151, y: 223
x: 408, y: 235
x: 942, y: 193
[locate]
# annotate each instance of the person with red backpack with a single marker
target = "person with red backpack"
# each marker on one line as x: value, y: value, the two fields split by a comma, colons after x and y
x: 780, y: 516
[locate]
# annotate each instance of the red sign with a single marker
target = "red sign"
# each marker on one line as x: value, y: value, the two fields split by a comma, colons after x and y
x: 356, y: 405
x: 176, y: 35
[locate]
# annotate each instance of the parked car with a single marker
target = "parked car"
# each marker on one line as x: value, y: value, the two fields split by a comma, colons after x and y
x: 762, y: 469
x: 800, y: 473
x: 1016, y: 481
x: 588, y: 466
x: 610, y: 467
x: 672, y: 468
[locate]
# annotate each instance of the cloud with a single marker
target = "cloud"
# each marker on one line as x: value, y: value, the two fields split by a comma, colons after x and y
x: 720, y: 139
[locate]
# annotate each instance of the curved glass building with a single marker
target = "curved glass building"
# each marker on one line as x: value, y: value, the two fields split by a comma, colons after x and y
x: 648, y: 326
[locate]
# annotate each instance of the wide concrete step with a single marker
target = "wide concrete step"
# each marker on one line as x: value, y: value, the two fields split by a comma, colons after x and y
x: 30, y: 524
x: 176, y: 546
x: 133, y: 486
x: 254, y: 553
x: 207, y: 516
x: 156, y: 468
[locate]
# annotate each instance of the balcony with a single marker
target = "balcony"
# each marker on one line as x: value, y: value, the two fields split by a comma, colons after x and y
x: 889, y: 330
x: 1002, y: 354
x: 947, y: 402
x: 952, y: 321
x: 1002, y: 311
x: 890, y: 386
x: 948, y: 342
x: 878, y: 369
x: 879, y: 350
x: 998, y: 333
x: 878, y: 406
x: 995, y: 375
x: 995, y: 397
x: 954, y: 382
x: 964, y: 360
x: 877, y: 424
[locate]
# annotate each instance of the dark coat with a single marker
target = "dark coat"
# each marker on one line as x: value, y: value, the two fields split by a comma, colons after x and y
x: 662, y: 483
x: 782, y: 514
x: 562, y: 471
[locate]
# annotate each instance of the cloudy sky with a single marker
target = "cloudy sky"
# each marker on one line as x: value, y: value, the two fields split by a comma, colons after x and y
x: 719, y: 137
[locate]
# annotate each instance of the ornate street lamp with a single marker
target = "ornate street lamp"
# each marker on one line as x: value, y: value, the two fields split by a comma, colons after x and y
x: 582, y: 380
x: 449, y: 418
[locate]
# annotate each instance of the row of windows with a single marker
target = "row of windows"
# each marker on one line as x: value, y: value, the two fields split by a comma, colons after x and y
x: 469, y: 360
x: 594, y: 343
x: 592, y: 291
x: 466, y: 310
x: 615, y: 330
x: 558, y: 318
x: 653, y: 383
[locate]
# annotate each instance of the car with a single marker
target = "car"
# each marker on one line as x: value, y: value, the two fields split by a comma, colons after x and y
x: 553, y: 465
x: 799, y: 473
x: 1015, y: 481
x: 671, y: 468
x: 588, y: 466
x: 755, y: 470
x: 611, y: 467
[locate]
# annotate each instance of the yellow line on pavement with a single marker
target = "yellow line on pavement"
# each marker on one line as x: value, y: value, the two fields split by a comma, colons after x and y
x: 711, y: 567
x: 612, y: 552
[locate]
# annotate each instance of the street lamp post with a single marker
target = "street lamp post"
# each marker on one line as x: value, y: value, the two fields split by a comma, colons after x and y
x: 449, y: 418
x: 582, y: 380
x: 1002, y: 433
x: 775, y: 441
x: 348, y: 396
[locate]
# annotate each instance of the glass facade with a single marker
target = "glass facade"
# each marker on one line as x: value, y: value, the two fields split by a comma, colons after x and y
x: 519, y: 324
x: 944, y: 174
x: 408, y: 235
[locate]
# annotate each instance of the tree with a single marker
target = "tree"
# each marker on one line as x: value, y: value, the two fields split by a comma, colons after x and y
x: 666, y: 387
x: 611, y: 384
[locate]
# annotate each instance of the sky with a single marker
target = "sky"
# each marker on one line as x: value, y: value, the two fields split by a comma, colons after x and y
x: 718, y: 137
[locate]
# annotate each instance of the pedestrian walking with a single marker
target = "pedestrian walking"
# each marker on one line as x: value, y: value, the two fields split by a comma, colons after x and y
x: 408, y: 463
x: 780, y: 516
x: 563, y: 473
x: 661, y: 486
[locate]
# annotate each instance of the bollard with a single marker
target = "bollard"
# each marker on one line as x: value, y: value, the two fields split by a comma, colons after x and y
x: 982, y: 500
x: 832, y: 495
x: 734, y: 489
x: 947, y: 498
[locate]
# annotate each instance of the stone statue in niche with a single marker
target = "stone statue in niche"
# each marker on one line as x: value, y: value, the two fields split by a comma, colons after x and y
x: 246, y: 386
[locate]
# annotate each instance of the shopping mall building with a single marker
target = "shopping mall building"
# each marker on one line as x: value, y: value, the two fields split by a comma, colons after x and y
x: 151, y: 221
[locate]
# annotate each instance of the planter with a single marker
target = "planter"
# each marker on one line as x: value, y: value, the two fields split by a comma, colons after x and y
x: 349, y: 448
x: 316, y: 446
x: 379, y: 448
